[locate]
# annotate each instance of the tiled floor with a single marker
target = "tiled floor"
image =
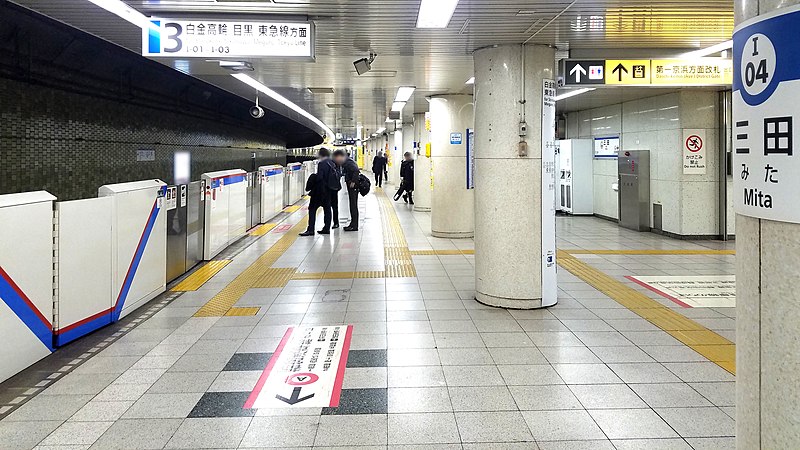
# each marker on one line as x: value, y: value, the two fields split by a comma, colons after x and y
x: 428, y: 365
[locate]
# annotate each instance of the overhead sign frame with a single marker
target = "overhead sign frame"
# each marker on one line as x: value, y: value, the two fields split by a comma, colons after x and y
x: 649, y: 72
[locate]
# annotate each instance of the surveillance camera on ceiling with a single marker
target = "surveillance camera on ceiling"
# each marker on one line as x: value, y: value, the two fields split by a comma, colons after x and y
x: 256, y: 111
x: 364, y: 65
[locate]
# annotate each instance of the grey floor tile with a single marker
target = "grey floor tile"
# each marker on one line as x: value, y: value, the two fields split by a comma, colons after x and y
x: 360, y: 401
x: 529, y: 375
x: 350, y: 430
x: 163, y: 406
x: 247, y: 361
x: 48, y: 407
x: 586, y: 373
x: 122, y: 392
x: 632, y: 424
x: 699, y: 422
x: 222, y: 404
x: 571, y: 355
x: 416, y: 376
x: 669, y: 395
x: 138, y: 434
x: 643, y: 373
x: 538, y: 398
x: 595, y: 444
x: 419, y: 400
x: 412, y: 357
x: 673, y: 353
x: 517, y: 355
x: 183, y: 382
x: 623, y: 354
x: 26, y: 434
x: 365, y: 377
x: 80, y: 384
x: 699, y: 372
x: 458, y: 340
x: 367, y: 358
x: 210, y: 433
x: 277, y: 431
x: 712, y: 443
x: 720, y: 394
x: 472, y: 376
x: 514, y: 340
x: 97, y: 411
x: 652, y: 444
x: 603, y: 396
x: 423, y: 428
x: 493, y: 427
x: 482, y: 398
x: 562, y: 425
x: 235, y: 381
x: 76, y: 433
x: 465, y: 356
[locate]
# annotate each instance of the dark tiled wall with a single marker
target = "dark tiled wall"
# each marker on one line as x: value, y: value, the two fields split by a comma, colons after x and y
x: 71, y: 144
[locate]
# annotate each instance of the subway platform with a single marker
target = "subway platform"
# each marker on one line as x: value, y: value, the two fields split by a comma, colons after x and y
x: 623, y: 361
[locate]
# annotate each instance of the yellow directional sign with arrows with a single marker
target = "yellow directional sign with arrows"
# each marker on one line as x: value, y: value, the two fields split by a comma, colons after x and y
x: 628, y: 71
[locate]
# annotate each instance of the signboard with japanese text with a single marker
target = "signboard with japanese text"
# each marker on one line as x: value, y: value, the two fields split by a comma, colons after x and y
x: 210, y: 38
x: 694, y: 152
x: 306, y: 370
x: 606, y: 147
x: 548, y: 200
x: 646, y: 72
x: 710, y: 291
x: 703, y: 71
x: 766, y: 86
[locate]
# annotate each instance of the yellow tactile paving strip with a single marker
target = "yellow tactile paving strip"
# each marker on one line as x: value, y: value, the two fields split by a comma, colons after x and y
x: 243, y: 312
x: 651, y: 252
x: 397, y: 257
x: 199, y: 277
x: 259, y: 274
x: 263, y: 229
x: 338, y: 275
x: 697, y: 337
x: 441, y: 252
x: 291, y: 209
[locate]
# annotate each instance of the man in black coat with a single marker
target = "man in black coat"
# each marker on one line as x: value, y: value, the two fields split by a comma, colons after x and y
x: 407, y: 179
x: 378, y: 168
x: 322, y: 186
x: 350, y: 171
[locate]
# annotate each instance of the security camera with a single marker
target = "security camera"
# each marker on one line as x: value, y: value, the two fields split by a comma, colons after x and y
x: 256, y: 111
x: 364, y: 65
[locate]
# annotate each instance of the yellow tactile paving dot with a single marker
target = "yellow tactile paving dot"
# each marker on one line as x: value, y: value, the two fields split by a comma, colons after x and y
x: 291, y: 209
x: 243, y: 312
x: 397, y: 257
x: 199, y: 277
x: 263, y: 229
x: 697, y: 337
x: 259, y: 274
x: 651, y: 252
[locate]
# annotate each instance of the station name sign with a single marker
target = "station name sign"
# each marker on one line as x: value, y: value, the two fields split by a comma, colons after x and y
x: 649, y: 72
x: 209, y: 38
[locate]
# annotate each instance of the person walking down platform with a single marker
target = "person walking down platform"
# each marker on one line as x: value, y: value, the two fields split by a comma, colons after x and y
x: 350, y: 171
x: 407, y: 180
x: 322, y: 186
x: 378, y: 168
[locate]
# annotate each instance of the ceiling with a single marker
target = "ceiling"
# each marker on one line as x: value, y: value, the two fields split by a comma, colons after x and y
x: 435, y: 61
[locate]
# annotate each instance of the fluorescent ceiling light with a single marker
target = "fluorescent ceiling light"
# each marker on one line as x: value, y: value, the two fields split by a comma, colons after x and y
x: 124, y: 11
x: 404, y: 93
x: 572, y: 93
x: 470, y: 81
x: 398, y: 106
x: 722, y: 46
x: 435, y: 13
x: 250, y: 81
x: 380, y: 130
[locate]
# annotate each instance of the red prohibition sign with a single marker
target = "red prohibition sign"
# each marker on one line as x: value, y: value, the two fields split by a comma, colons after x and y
x: 301, y: 379
x: 694, y: 143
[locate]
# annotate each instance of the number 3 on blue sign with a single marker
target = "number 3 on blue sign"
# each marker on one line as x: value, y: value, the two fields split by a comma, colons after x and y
x: 174, y: 37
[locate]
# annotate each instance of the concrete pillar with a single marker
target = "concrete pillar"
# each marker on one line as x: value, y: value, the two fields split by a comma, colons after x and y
x: 510, y: 232
x: 767, y: 307
x: 452, y: 204
x: 422, y: 166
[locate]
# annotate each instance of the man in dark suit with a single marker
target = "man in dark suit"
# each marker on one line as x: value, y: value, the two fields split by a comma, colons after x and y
x: 322, y: 186
x: 378, y: 168
x: 350, y: 171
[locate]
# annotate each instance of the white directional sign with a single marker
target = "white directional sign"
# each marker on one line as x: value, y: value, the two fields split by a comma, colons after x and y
x: 306, y: 370
x: 766, y: 88
x: 580, y: 72
x: 211, y: 38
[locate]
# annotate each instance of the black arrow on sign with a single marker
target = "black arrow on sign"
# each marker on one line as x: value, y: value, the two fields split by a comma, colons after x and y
x: 295, y: 398
x: 620, y: 68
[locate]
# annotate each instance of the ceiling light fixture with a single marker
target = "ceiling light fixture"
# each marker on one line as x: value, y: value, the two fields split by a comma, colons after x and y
x: 122, y: 10
x: 380, y: 130
x: 470, y: 81
x: 572, y: 93
x: 398, y: 106
x: 718, y: 48
x: 237, y: 66
x: 435, y: 13
x: 252, y: 82
x: 404, y: 93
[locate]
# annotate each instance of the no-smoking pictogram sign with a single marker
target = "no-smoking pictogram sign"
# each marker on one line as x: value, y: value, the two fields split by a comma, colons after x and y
x: 694, y: 143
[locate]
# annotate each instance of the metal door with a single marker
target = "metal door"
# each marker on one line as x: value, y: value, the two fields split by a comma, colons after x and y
x: 195, y: 223
x: 254, y: 199
x: 175, y: 203
x: 634, y: 190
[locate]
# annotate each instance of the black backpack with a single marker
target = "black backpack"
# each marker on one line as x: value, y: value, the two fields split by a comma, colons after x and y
x: 364, y: 185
